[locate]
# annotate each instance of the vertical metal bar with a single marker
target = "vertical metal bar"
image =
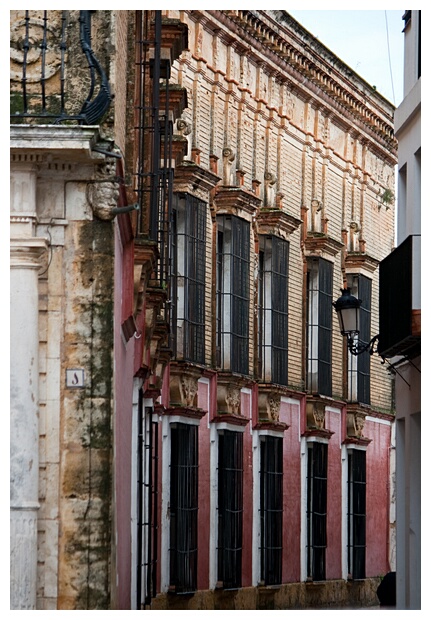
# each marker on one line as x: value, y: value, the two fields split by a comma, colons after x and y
x: 63, y: 47
x: 155, y: 507
x: 139, y: 502
x: 149, y: 495
x: 154, y: 200
x: 43, y: 46
x: 26, y: 46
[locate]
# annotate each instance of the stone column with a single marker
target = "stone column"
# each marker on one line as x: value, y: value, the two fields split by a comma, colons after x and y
x: 28, y: 254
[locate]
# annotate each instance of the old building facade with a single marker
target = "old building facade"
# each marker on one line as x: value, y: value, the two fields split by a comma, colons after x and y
x: 194, y: 433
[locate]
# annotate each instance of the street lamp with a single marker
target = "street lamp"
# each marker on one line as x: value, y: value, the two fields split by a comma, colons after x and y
x: 347, y: 309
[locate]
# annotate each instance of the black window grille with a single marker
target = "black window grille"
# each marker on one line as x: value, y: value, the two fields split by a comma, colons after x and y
x: 147, y: 503
x: 188, y: 278
x: 356, y: 517
x: 273, y: 309
x: 183, y: 508
x: 271, y: 509
x: 319, y: 326
x: 153, y: 130
x: 45, y: 71
x: 316, y: 510
x: 233, y: 293
x: 359, y: 365
x: 230, y: 508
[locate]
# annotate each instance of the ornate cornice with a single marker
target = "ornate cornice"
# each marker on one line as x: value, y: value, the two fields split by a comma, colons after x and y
x: 272, y: 221
x: 317, y: 244
x: 354, y: 261
x: 280, y: 38
x: 234, y: 200
x: 193, y: 179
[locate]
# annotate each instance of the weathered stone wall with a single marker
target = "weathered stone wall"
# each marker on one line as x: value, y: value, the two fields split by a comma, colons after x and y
x: 75, y: 334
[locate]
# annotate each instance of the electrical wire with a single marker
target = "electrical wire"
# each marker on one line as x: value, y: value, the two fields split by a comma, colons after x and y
x: 389, y: 56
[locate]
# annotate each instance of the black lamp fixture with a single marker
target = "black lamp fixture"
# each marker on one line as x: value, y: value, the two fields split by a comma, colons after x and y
x: 347, y: 309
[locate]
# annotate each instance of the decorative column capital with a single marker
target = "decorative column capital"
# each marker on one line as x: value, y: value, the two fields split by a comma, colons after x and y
x: 28, y: 253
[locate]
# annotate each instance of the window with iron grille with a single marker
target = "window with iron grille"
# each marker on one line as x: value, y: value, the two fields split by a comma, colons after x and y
x: 319, y: 326
x: 271, y: 509
x: 188, y: 278
x: 147, y: 505
x: 153, y: 179
x: 356, y: 514
x: 230, y: 508
x: 233, y: 293
x: 358, y: 369
x: 273, y: 309
x: 316, y: 510
x: 183, y: 507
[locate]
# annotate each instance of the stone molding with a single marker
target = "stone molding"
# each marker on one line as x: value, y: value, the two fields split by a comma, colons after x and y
x: 28, y: 253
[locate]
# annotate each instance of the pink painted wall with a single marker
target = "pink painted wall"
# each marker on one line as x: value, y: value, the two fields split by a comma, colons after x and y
x: 333, y: 524
x: 203, y: 489
x: 291, y: 570
x: 247, y: 401
x: 377, y: 497
x: 123, y: 394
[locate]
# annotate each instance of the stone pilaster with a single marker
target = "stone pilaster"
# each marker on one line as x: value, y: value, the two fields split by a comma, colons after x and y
x: 27, y: 257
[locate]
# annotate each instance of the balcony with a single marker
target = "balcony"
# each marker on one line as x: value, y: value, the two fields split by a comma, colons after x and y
x: 55, y: 74
x: 399, y: 301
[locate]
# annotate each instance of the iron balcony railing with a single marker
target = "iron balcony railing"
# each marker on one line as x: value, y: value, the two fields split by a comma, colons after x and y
x: 55, y: 75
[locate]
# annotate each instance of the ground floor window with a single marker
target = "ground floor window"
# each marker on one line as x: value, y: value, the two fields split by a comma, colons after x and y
x: 183, y: 507
x: 316, y: 510
x: 230, y: 508
x: 356, y: 514
x: 271, y: 509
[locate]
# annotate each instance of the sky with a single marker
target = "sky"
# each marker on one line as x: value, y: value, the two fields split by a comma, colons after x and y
x: 370, y: 42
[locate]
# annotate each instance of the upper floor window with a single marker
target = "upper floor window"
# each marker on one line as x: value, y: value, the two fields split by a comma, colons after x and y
x: 273, y: 309
x: 359, y: 365
x: 319, y: 326
x: 188, y: 282
x: 233, y: 293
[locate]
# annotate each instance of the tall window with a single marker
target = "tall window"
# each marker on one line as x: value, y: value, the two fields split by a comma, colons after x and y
x: 356, y: 513
x: 230, y: 507
x: 183, y: 507
x: 316, y: 510
x: 319, y: 326
x: 273, y: 309
x: 188, y: 283
x: 359, y: 365
x: 271, y: 508
x: 233, y: 293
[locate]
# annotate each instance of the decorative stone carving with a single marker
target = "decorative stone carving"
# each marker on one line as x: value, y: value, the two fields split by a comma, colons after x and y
x: 274, y: 406
x: 183, y: 385
x: 228, y: 159
x: 233, y: 399
x: 103, y: 192
x: 316, y: 216
x: 269, y: 189
x: 316, y: 414
x: 353, y: 238
x: 36, y: 27
x: 189, y: 389
x: 185, y: 129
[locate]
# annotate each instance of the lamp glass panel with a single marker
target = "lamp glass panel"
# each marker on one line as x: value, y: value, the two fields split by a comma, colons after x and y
x: 349, y: 320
